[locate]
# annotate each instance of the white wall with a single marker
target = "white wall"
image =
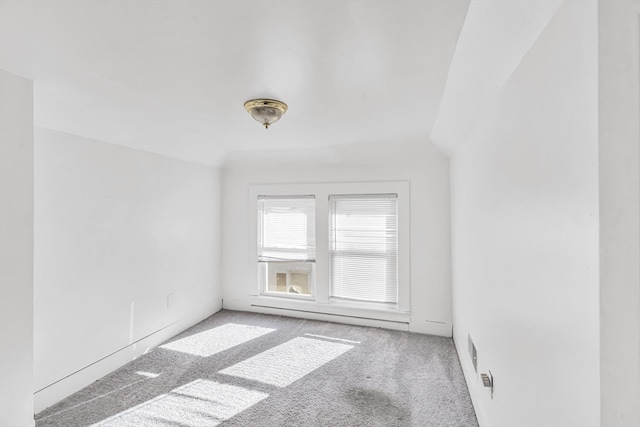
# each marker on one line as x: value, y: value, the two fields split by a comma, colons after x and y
x: 16, y: 251
x: 418, y: 162
x: 619, y: 130
x: 525, y: 235
x: 126, y: 247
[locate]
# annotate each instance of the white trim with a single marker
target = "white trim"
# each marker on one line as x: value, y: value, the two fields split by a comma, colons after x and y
x: 322, y: 191
x: 309, y: 310
x: 471, y: 378
x: 64, y: 387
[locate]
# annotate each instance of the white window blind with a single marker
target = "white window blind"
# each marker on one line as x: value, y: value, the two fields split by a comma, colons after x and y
x: 286, y: 228
x: 363, y: 247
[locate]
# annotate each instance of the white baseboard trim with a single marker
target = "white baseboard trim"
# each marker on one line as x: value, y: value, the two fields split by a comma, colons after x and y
x: 471, y: 378
x: 440, y: 329
x: 312, y: 314
x: 340, y: 313
x: 76, y: 381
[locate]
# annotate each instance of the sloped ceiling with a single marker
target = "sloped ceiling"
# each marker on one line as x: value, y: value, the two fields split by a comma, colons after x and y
x: 171, y: 77
x: 495, y: 38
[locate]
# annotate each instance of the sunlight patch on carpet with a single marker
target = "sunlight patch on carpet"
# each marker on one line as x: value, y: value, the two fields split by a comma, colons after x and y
x: 215, y: 340
x: 198, y: 403
x: 288, y: 362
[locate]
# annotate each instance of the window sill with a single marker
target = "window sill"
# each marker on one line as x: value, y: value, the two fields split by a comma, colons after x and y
x: 337, y: 308
x: 287, y: 296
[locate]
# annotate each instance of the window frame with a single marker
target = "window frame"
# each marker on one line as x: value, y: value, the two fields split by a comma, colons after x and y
x: 321, y: 301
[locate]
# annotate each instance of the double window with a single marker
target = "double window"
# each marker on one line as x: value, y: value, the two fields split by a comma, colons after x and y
x: 333, y: 246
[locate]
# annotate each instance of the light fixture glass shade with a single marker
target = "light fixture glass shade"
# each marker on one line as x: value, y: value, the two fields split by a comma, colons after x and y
x: 265, y: 111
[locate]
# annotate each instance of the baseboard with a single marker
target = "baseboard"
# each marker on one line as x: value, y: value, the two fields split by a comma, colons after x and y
x: 66, y: 386
x: 440, y: 329
x: 470, y: 377
x: 239, y: 305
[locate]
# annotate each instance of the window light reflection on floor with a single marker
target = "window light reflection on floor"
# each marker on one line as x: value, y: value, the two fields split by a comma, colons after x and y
x: 288, y: 362
x: 198, y: 403
x: 215, y: 340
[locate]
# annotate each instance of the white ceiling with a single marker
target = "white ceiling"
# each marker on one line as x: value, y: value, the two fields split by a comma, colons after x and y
x: 171, y: 77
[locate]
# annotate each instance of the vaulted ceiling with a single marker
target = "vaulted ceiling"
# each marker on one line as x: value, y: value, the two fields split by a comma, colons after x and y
x: 171, y: 77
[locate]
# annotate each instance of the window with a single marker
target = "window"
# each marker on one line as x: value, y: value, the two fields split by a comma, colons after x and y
x: 338, y: 248
x: 363, y: 246
x: 286, y: 244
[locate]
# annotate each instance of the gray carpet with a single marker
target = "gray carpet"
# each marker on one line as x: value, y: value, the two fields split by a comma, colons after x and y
x: 247, y: 369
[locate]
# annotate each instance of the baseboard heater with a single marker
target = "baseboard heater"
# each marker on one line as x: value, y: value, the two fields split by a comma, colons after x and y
x: 329, y: 314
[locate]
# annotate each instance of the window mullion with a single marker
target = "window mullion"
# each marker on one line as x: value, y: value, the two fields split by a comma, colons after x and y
x: 322, y: 248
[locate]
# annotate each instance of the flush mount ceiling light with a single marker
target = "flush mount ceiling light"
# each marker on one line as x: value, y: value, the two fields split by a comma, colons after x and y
x: 266, y: 111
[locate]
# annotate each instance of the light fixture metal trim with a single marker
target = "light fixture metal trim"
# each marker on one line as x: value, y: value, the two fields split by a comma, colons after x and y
x: 266, y: 111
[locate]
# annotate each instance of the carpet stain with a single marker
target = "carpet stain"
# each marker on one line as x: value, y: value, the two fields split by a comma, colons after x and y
x: 377, y: 404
